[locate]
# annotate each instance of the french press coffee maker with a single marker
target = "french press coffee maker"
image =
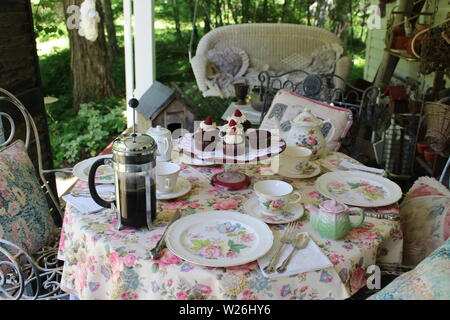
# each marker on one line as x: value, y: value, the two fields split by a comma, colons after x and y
x: 133, y: 162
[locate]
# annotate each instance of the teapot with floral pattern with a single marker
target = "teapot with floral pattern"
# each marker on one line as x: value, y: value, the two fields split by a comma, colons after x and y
x: 306, y: 132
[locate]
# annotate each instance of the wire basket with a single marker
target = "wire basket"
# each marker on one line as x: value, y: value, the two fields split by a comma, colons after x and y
x: 437, y: 116
x: 399, y: 144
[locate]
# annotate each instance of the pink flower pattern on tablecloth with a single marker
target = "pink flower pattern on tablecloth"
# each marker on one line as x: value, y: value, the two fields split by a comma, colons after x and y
x: 104, y: 263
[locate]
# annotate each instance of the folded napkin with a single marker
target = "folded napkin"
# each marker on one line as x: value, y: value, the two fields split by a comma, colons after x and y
x: 86, y: 204
x: 310, y: 258
x: 351, y: 166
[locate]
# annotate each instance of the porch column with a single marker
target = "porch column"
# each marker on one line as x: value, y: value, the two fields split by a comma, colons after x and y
x: 139, y: 49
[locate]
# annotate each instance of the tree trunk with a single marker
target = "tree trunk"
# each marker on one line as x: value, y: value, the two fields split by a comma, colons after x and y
x: 245, y: 10
x: 285, y: 11
x: 176, y: 17
x: 207, y: 19
x: 194, y: 23
x: 218, y: 13
x: 90, y: 68
x: 233, y: 12
x: 113, y: 47
x: 308, y: 13
x: 265, y: 13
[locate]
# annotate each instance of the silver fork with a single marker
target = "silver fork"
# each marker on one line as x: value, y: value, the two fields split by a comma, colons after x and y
x: 286, y: 238
x: 299, y: 243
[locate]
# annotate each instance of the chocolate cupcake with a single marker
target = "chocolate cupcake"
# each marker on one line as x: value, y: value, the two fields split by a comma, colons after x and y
x: 206, y: 136
x: 259, y: 139
x: 226, y: 127
x: 236, y: 119
x: 241, y: 119
x: 233, y: 143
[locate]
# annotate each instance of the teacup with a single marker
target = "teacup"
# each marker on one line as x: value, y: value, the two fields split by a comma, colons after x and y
x: 275, y: 195
x: 295, y: 158
x: 166, y: 176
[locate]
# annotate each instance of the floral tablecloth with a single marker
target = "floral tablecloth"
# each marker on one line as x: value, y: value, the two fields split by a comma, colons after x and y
x: 104, y: 263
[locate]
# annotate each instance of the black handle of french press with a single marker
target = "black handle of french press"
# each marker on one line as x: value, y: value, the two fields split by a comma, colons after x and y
x: 91, y: 183
x: 133, y: 103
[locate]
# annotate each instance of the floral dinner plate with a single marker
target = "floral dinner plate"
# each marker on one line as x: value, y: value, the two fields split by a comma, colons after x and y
x: 358, y: 188
x: 105, y: 174
x: 219, y: 238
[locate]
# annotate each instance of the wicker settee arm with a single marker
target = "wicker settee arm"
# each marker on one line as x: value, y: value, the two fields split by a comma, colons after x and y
x: 199, y: 65
x: 343, y: 69
x: 27, y: 278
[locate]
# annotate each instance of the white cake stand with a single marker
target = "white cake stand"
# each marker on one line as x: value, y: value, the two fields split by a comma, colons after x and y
x: 231, y: 179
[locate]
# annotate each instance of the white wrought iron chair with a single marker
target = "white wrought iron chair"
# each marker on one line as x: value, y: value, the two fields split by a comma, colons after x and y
x: 25, y: 276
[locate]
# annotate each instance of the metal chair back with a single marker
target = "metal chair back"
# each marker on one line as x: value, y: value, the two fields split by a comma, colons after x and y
x: 21, y: 275
x: 32, y: 134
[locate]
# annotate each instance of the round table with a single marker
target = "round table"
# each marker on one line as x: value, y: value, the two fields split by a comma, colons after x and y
x: 104, y: 263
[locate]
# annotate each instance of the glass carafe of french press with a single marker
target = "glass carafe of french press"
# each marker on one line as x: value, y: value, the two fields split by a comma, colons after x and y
x: 133, y: 162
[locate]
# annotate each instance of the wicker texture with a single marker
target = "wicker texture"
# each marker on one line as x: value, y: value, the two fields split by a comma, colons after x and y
x: 281, y: 47
x: 437, y: 115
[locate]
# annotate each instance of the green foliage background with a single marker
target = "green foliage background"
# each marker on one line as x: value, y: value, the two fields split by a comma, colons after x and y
x: 75, y: 136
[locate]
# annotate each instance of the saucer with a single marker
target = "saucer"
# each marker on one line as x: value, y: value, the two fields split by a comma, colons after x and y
x: 294, y: 212
x: 196, y: 162
x: 183, y: 187
x: 314, y: 171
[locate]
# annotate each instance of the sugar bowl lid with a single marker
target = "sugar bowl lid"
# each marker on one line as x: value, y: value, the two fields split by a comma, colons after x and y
x: 134, y: 144
x: 158, y: 131
x: 306, y: 118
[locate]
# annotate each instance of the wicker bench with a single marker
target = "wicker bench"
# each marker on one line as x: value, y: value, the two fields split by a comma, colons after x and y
x: 280, y: 47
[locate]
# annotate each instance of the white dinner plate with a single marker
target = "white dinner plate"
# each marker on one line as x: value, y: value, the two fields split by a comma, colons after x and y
x: 219, y: 238
x: 105, y: 174
x: 182, y: 187
x: 358, y: 188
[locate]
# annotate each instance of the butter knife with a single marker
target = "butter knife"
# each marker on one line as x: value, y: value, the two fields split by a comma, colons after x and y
x: 161, y: 244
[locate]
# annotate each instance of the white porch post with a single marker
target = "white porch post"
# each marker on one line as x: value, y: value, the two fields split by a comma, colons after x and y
x: 139, y: 50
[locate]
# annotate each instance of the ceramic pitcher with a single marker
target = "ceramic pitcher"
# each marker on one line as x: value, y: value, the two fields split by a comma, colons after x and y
x: 332, y: 220
x: 306, y: 132
x: 163, y: 138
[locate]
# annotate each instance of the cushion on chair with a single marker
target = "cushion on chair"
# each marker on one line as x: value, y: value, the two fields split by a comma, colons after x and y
x: 286, y: 105
x: 232, y: 61
x: 425, y: 219
x: 25, y: 218
x: 428, y: 280
x: 225, y: 66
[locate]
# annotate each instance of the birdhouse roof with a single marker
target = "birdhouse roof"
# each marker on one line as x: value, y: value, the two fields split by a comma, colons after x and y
x: 155, y: 99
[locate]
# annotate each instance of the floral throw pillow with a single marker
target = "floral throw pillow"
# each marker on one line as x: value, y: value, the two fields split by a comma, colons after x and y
x: 25, y: 219
x: 430, y: 280
x: 286, y: 105
x: 425, y: 219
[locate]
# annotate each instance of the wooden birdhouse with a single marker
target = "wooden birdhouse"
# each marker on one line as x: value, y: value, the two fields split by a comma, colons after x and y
x: 162, y: 106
